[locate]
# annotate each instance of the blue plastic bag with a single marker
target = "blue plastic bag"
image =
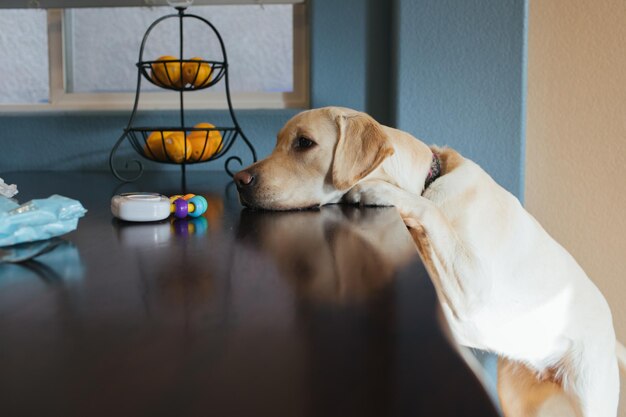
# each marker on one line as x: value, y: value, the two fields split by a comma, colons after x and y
x: 38, y: 219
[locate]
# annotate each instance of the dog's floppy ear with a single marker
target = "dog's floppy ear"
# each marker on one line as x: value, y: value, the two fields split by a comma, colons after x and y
x: 361, y: 147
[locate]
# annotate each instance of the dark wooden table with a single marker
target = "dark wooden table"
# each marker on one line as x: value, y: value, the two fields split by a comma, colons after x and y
x: 237, y: 313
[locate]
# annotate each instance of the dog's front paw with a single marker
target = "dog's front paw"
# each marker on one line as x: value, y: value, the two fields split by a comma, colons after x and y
x: 378, y: 193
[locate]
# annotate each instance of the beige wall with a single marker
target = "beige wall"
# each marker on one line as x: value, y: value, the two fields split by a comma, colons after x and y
x: 576, y: 136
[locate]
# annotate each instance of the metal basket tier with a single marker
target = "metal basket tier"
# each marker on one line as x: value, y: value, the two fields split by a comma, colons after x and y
x: 175, y: 145
x: 182, y: 74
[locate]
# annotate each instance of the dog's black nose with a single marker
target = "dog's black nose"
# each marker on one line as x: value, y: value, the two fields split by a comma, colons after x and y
x: 243, y: 179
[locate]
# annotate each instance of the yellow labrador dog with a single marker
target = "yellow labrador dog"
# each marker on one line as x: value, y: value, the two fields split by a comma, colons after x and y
x: 504, y: 284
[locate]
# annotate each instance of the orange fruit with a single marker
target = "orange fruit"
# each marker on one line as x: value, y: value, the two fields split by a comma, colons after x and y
x: 204, y: 143
x: 154, y: 147
x: 167, y: 74
x: 215, y: 137
x: 169, y: 147
x: 197, y: 74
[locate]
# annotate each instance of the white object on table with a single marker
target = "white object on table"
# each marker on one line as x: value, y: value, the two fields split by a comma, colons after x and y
x: 140, y: 207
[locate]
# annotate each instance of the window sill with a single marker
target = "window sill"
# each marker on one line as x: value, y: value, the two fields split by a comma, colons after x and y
x: 159, y: 101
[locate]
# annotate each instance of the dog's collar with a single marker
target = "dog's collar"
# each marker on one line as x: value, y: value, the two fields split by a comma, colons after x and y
x: 434, y: 172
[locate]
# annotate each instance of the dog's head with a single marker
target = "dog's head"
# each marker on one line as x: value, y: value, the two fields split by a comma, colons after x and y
x: 319, y: 155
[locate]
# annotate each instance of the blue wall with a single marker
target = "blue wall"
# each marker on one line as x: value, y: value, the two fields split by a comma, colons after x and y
x: 460, y: 79
x: 351, y: 60
x: 338, y: 53
x: 450, y: 72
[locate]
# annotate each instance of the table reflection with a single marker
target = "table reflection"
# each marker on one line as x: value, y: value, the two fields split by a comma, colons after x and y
x: 162, y: 250
x: 336, y: 253
x: 54, y: 261
x: 52, y: 276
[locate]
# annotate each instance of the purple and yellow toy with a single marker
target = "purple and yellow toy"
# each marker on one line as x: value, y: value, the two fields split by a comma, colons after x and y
x: 188, y: 205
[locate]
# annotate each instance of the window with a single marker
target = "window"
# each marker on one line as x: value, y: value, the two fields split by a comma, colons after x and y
x: 90, y: 56
x: 24, y: 52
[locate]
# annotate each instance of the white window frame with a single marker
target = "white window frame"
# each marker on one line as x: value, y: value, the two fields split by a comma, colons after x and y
x: 61, y: 100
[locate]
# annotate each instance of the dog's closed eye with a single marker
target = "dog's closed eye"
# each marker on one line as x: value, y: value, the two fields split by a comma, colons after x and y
x: 303, y: 143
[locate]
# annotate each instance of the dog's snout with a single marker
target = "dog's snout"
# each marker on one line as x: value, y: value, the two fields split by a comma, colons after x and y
x: 244, y: 179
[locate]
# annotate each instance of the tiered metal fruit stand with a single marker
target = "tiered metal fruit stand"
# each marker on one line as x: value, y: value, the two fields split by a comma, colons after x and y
x: 169, y: 144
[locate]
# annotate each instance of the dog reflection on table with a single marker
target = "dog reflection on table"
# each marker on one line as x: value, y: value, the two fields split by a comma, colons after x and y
x: 338, y: 253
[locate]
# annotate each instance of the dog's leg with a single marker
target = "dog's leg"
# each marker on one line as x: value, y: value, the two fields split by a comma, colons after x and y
x: 443, y: 254
x: 525, y: 393
x: 591, y: 373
